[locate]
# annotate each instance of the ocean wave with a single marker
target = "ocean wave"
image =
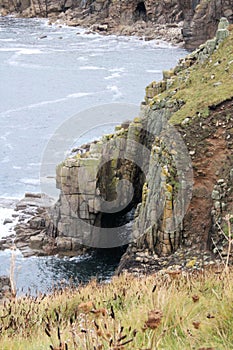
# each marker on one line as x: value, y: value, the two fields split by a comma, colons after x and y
x: 22, y: 50
x: 6, y: 229
x: 156, y: 71
x: 82, y: 58
x: 6, y: 159
x: 14, y: 59
x: 46, y: 102
x: 15, y: 167
x: 34, y: 164
x: 28, y: 181
x: 7, y: 40
x: 113, y: 70
x: 115, y: 90
x: 113, y: 76
x: 79, y: 94
x: 91, y: 68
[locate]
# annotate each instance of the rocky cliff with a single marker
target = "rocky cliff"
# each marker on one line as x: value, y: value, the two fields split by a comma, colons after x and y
x: 177, y: 154
x: 201, y: 19
x: 193, y: 21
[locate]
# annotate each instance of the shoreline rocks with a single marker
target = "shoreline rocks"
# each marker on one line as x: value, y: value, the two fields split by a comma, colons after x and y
x: 139, y: 261
x: 144, y: 31
x: 32, y: 205
x: 187, y: 23
x: 31, y: 220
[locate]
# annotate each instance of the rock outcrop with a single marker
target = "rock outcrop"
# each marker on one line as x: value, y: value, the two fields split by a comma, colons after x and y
x: 206, y: 128
x: 193, y: 21
x: 177, y: 154
x: 201, y: 19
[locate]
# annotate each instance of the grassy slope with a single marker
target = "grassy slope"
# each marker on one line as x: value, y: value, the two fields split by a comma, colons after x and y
x: 197, y: 313
x: 195, y: 85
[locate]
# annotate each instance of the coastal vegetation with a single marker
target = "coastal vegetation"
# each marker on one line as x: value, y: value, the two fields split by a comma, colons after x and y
x: 209, y: 83
x: 207, y: 79
x: 168, y: 310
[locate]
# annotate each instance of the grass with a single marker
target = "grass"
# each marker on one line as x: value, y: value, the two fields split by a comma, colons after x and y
x: 204, y: 84
x: 170, y: 311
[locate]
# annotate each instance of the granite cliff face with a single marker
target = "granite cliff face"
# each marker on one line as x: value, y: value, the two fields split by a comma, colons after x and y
x: 193, y: 21
x: 201, y: 19
x: 177, y: 154
x: 203, y: 118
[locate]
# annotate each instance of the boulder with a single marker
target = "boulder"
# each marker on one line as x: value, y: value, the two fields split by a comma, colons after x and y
x: 36, y: 242
x: 64, y: 244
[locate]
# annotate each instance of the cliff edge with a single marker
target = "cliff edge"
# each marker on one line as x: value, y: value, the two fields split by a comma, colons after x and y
x: 177, y: 154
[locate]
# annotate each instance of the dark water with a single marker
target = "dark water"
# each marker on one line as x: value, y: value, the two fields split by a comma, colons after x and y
x: 43, y: 274
x: 43, y: 83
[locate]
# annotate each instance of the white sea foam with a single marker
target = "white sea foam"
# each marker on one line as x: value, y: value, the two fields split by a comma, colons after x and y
x: 121, y: 69
x: 34, y: 164
x: 4, y: 136
x: 155, y: 44
x: 44, y: 103
x: 30, y: 181
x: 8, y: 145
x: 95, y: 54
x: 156, y: 71
x: 7, y: 40
x: 8, y: 49
x: 6, y: 159
x: 115, y: 90
x: 22, y: 50
x: 91, y: 68
x: 15, y: 167
x: 82, y: 58
x: 19, y: 51
x: 27, y: 51
x: 7, y: 229
x: 113, y: 76
x: 79, y: 94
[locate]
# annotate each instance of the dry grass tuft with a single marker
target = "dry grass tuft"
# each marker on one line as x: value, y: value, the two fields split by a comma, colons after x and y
x: 191, y: 311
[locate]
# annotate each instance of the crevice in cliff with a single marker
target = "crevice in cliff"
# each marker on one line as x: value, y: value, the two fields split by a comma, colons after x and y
x: 118, y: 219
x: 109, y: 177
x: 140, y: 12
x: 120, y: 172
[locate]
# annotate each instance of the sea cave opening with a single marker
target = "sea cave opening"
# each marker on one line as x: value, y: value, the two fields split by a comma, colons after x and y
x: 122, y: 224
x: 140, y: 13
x: 120, y: 221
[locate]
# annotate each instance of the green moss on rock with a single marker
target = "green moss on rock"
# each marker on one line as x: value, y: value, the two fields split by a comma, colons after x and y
x: 201, y: 80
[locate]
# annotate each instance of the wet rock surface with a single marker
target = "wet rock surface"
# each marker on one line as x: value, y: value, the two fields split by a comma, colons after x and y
x: 28, y: 218
x: 32, y: 230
